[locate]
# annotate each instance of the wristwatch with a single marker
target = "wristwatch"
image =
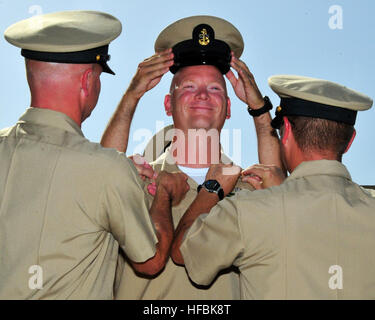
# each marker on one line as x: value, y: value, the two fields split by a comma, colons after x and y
x: 257, y: 112
x: 212, y: 186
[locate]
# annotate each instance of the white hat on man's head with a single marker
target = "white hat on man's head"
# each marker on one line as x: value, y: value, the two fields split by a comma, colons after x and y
x: 66, y: 37
x: 201, y: 40
x: 317, y: 98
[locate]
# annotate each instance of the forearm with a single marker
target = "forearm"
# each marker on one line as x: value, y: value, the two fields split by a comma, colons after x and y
x: 116, y: 135
x: 161, y: 216
x: 203, y: 203
x: 268, y: 141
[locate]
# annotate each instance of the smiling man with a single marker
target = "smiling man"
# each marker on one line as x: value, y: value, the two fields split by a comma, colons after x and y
x: 199, y: 51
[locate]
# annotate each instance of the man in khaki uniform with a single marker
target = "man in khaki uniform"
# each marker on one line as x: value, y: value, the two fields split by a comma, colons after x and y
x: 312, y: 237
x: 66, y: 204
x: 200, y: 55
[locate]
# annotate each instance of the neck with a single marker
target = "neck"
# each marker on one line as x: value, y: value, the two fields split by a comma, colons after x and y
x: 196, y: 148
x: 312, y: 156
x: 66, y: 106
x: 56, y: 87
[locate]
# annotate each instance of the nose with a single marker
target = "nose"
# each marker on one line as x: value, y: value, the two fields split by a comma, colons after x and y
x: 202, y: 93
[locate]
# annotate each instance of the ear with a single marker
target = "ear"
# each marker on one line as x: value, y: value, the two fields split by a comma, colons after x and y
x: 287, y: 130
x: 228, y: 108
x: 351, y: 141
x: 167, y: 105
x: 86, y: 82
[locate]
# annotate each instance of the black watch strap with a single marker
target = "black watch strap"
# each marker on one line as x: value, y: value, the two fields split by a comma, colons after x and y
x: 221, y: 194
x: 257, y: 112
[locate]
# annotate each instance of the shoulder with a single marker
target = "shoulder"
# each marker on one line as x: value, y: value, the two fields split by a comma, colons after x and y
x: 251, y: 195
x: 259, y: 214
x: 5, y: 132
x: 100, y: 158
x: 95, y: 150
x: 258, y: 205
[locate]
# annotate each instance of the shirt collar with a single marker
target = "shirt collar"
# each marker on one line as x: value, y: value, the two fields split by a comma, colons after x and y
x: 168, y: 164
x: 320, y: 167
x: 50, y: 118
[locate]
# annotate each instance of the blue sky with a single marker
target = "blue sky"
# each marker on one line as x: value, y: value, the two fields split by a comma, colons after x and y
x: 281, y: 37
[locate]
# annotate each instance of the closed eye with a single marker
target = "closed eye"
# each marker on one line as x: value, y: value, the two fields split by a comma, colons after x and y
x: 188, y: 85
x: 215, y: 88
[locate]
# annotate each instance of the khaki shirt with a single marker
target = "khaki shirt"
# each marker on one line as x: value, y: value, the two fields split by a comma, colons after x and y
x: 66, y: 205
x: 312, y: 237
x: 173, y: 283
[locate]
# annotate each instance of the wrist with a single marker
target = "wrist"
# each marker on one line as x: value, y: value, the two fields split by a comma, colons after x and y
x: 132, y: 96
x: 206, y: 200
x: 162, y: 193
x: 259, y: 103
x: 264, y: 120
x: 260, y: 109
x: 212, y: 186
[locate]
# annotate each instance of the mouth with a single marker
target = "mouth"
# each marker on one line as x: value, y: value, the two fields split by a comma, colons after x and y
x: 202, y: 107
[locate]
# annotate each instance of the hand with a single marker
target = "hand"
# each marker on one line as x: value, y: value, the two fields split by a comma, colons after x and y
x: 245, y: 86
x: 150, y: 72
x: 262, y: 176
x: 145, y: 171
x: 226, y: 174
x: 175, y: 185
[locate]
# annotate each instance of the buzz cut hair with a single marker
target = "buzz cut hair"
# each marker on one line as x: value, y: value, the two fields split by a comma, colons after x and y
x: 320, y: 135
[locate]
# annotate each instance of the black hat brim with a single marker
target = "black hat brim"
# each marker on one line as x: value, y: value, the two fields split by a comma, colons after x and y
x: 188, y: 53
x: 97, y: 55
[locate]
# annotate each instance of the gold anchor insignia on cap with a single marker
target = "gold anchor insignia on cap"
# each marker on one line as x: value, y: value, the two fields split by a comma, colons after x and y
x: 204, y: 38
x: 278, y: 109
x: 98, y: 57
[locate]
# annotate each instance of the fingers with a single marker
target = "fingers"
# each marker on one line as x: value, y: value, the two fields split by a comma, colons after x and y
x: 158, y: 56
x: 143, y: 168
x: 247, y: 171
x: 150, y: 72
x: 239, y: 65
x: 251, y: 176
x: 155, y: 176
x: 256, y: 170
x: 269, y: 175
x: 151, y: 188
x: 244, y: 86
x: 184, y: 179
x: 140, y: 160
x: 181, y: 188
x: 157, y: 61
x: 254, y: 181
x: 232, y: 78
x: 155, y: 70
x: 146, y: 172
x: 243, y: 72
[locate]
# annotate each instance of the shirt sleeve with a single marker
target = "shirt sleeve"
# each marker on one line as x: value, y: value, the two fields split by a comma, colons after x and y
x: 127, y: 208
x: 212, y: 243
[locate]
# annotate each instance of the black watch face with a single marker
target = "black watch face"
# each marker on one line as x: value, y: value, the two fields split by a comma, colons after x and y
x: 212, y: 185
